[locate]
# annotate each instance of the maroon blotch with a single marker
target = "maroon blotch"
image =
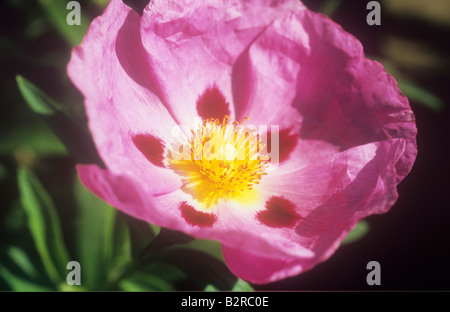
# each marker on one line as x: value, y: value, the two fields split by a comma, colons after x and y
x: 195, y: 217
x: 279, y: 213
x: 151, y: 147
x: 212, y: 104
x: 287, y: 143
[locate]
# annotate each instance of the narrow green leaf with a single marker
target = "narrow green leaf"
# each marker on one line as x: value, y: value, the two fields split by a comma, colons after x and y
x: 165, y: 238
x: 44, y: 225
x: 210, y: 287
x: 74, y: 135
x: 19, y: 257
x: 20, y: 284
x: 416, y: 93
x: 38, y: 101
x: 142, y: 281
x: 95, y: 236
x: 169, y: 273
x: 242, y: 285
x: 35, y: 136
x: 200, y: 267
x: 411, y: 89
x: 121, y: 261
x: 210, y: 247
x: 141, y: 234
x: 361, y: 229
x: 56, y: 11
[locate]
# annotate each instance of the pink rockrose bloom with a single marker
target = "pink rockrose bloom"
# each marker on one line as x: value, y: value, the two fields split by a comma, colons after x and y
x: 258, y: 123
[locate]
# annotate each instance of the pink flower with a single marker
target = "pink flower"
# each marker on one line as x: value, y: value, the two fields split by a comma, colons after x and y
x: 346, y: 133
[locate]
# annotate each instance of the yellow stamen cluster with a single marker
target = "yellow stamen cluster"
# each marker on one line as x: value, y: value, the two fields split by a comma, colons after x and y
x: 220, y: 161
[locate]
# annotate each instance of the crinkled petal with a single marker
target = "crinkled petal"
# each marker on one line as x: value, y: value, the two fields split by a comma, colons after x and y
x: 345, y: 99
x: 117, y: 105
x: 192, y: 46
x: 331, y: 196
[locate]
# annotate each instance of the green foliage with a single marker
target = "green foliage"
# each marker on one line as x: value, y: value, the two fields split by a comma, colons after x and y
x: 412, y: 90
x: 18, y: 283
x: 20, y: 258
x: 146, y: 282
x: 201, y: 268
x: 34, y: 136
x: 96, y: 222
x: 242, y: 285
x: 358, y: 232
x: 38, y: 101
x: 212, y: 248
x: 420, y: 95
x: 44, y: 225
x: 56, y: 13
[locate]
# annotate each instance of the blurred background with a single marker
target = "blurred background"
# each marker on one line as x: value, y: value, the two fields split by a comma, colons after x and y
x: 48, y: 218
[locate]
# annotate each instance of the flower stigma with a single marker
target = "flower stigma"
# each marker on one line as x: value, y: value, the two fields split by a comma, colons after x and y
x: 220, y: 161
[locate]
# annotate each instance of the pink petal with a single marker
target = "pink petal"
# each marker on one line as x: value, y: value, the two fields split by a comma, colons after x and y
x: 265, y: 74
x: 331, y: 197
x: 118, y: 191
x: 346, y: 100
x: 120, y: 104
x: 258, y: 269
x: 192, y: 46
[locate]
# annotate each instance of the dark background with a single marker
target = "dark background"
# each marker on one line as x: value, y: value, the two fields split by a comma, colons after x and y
x: 411, y: 241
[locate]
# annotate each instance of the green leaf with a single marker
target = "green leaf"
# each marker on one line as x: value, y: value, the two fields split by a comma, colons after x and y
x: 44, y: 225
x: 43, y: 104
x: 412, y: 90
x: 121, y: 255
x: 141, y: 234
x: 95, y: 236
x: 19, y: 284
x: 72, y: 134
x: 210, y: 287
x: 169, y: 273
x: 38, y: 101
x: 242, y: 285
x: 142, y: 281
x: 210, y: 247
x: 19, y: 257
x: 420, y: 95
x: 36, y: 136
x: 361, y: 229
x: 199, y: 267
x: 165, y: 238
x: 56, y: 12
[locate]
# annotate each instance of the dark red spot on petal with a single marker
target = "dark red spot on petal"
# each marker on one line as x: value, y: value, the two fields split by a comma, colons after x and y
x: 287, y: 143
x: 212, y: 104
x: 195, y: 217
x: 151, y: 147
x: 279, y: 213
